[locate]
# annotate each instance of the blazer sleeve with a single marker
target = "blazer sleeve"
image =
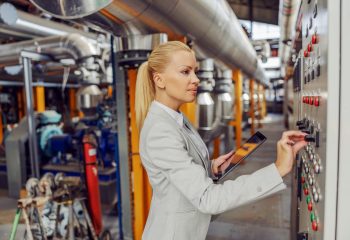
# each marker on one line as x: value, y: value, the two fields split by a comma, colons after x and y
x: 164, y: 147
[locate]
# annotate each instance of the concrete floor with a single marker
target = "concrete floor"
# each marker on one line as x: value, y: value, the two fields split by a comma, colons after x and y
x: 269, y: 218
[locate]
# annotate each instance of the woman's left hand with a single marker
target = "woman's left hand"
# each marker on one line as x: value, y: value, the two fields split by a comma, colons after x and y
x: 221, y: 163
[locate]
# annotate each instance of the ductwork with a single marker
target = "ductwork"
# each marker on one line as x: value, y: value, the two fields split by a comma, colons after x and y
x: 211, y: 24
x: 72, y: 46
x: 30, y: 26
x: 214, y: 114
x: 287, y: 20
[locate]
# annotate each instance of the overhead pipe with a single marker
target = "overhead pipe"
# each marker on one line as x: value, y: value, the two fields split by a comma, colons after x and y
x: 72, y: 46
x: 15, y: 22
x: 288, y: 11
x: 213, y: 25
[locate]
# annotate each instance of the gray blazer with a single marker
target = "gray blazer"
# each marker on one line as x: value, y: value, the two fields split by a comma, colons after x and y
x: 184, y: 196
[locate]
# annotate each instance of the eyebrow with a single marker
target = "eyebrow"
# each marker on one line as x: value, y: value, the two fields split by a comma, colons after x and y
x: 196, y: 68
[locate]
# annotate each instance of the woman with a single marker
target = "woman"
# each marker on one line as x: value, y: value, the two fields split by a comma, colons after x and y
x: 177, y: 161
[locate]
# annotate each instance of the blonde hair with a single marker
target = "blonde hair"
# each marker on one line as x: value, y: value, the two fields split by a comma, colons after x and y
x: 145, y: 87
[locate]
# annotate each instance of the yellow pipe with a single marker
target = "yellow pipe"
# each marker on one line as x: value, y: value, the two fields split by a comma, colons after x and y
x: 252, y: 106
x: 20, y: 104
x: 137, y: 169
x: 40, y: 98
x: 264, y: 112
x: 110, y: 91
x: 238, y: 79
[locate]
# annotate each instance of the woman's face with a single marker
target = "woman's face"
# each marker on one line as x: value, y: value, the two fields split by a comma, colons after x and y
x: 179, y: 82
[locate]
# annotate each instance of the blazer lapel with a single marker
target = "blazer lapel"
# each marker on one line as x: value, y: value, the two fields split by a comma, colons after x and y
x: 203, y: 158
x: 154, y: 108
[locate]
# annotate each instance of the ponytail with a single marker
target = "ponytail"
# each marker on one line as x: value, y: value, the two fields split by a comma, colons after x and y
x: 145, y: 92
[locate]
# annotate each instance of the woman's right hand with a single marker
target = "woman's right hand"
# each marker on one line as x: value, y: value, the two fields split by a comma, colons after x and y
x: 287, y: 148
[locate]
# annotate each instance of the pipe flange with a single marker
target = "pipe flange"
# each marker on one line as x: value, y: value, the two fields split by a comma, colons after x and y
x: 132, y: 58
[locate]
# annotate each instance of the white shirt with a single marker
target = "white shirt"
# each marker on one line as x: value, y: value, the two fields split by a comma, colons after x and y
x: 174, y: 114
x: 179, y: 118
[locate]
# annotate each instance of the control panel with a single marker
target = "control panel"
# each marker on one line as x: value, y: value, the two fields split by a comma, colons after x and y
x: 320, y: 183
x: 311, y: 93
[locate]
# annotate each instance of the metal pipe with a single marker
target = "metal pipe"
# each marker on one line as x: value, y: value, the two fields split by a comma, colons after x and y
x: 58, y: 47
x: 213, y: 25
x: 31, y: 26
x: 33, y: 144
x: 288, y: 12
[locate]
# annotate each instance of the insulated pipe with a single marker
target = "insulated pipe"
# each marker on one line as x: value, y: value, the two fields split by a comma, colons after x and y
x: 31, y: 26
x: 58, y: 47
x: 288, y: 12
x: 212, y: 24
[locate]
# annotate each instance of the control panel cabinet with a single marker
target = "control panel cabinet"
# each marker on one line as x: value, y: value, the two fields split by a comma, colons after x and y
x: 318, y: 99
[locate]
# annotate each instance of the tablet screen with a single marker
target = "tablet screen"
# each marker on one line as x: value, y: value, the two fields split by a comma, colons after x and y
x: 242, y: 152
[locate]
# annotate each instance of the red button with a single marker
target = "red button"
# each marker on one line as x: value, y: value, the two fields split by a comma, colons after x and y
x: 306, y: 191
x: 304, y: 99
x: 307, y: 100
x: 306, y: 53
x: 309, y: 47
x: 317, y: 101
x: 314, y: 39
x: 302, y: 179
x: 309, y: 206
x: 314, y: 225
x: 311, y: 100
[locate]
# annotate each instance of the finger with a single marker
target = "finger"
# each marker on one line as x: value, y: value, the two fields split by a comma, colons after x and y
x: 228, y: 154
x: 299, y: 145
x: 292, y: 133
x: 220, y: 160
x: 215, y: 169
x: 287, y: 141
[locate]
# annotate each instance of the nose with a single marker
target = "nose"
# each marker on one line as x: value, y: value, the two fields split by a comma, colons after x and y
x: 195, y: 80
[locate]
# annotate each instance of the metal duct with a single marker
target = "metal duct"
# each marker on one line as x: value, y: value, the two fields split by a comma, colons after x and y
x: 58, y: 47
x: 288, y: 12
x: 212, y: 24
x: 213, y: 114
x: 30, y: 26
x: 224, y: 102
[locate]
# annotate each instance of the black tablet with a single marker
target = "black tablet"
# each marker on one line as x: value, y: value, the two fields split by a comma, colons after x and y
x: 242, y: 152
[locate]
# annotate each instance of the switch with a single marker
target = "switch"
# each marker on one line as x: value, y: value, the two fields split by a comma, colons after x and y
x: 309, y: 47
x: 314, y: 39
x: 306, y: 191
x: 309, y: 138
x: 317, y: 138
x: 309, y: 206
x: 308, y: 77
x: 308, y: 199
x: 303, y: 236
x: 318, y: 70
x: 314, y: 225
x: 312, y: 74
x: 306, y: 53
x: 311, y: 100
x: 306, y: 131
x: 312, y: 129
x: 314, y: 190
x: 316, y: 197
x: 317, y: 101
x: 317, y: 168
x: 312, y: 217
x: 300, y: 122
x: 302, y: 179
x: 315, y: 10
x: 311, y: 181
